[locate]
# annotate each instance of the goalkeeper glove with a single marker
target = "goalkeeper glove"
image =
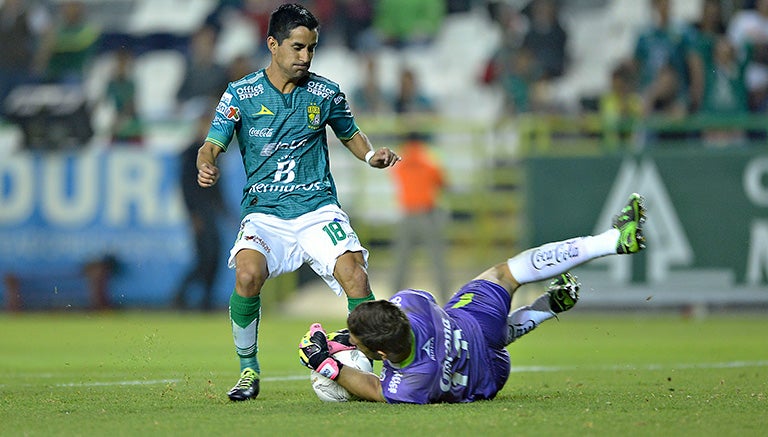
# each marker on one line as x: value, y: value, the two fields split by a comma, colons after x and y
x: 314, y: 353
x: 339, y: 341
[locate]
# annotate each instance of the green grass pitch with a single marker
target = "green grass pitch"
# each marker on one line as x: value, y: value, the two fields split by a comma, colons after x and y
x: 159, y: 373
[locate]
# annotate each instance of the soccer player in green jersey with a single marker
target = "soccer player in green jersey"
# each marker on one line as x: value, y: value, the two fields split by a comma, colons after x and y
x: 290, y: 212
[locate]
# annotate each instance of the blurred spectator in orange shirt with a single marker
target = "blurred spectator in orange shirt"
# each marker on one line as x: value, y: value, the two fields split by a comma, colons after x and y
x: 420, y: 181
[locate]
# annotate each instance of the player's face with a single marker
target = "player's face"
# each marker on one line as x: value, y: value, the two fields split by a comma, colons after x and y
x: 294, y: 56
x: 361, y: 347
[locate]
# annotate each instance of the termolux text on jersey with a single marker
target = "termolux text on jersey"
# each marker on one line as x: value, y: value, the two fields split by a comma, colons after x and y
x: 286, y: 188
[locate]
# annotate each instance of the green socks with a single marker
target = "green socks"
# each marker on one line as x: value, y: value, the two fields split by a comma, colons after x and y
x: 352, y: 302
x: 245, y: 315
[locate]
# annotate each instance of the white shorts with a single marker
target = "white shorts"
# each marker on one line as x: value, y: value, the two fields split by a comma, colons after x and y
x: 317, y: 238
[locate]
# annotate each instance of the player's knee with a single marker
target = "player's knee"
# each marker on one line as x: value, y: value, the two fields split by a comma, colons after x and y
x: 249, y: 280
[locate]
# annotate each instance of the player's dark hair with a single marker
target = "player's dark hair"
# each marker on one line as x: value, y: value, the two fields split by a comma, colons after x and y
x: 288, y: 17
x: 381, y: 326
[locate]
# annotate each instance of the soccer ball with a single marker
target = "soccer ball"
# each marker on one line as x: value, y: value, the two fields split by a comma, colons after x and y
x: 329, y: 390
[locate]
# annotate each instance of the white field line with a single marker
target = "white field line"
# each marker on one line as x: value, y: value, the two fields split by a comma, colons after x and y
x: 724, y: 365
x: 515, y: 369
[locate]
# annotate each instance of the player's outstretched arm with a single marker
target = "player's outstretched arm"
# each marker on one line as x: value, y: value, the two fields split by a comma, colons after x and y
x: 364, y: 385
x: 207, y: 171
x: 314, y: 353
x: 361, y: 146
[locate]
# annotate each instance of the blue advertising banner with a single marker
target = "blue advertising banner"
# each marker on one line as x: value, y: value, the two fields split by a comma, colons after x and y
x: 61, y: 211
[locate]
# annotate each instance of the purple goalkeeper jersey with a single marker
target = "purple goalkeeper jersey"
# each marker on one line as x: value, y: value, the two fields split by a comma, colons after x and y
x: 451, y: 360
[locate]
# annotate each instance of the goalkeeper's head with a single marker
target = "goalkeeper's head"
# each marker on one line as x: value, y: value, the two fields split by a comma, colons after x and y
x: 380, y: 330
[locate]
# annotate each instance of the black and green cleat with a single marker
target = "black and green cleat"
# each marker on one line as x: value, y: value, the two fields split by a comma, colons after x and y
x: 563, y: 292
x: 247, y: 387
x: 629, y: 222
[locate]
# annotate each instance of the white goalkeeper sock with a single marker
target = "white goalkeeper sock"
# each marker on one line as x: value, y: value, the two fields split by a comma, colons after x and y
x: 552, y: 259
x: 525, y: 319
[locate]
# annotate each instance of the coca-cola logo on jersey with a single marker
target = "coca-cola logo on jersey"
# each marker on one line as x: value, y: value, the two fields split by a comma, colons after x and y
x: 265, y: 132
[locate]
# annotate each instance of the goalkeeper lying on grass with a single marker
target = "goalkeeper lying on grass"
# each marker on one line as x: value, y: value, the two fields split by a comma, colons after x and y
x: 458, y: 353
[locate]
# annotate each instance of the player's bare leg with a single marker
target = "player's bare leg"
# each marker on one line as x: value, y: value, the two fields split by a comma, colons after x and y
x: 245, y: 316
x: 352, y: 275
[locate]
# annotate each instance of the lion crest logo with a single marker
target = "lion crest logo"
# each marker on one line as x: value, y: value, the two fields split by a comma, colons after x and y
x: 313, y: 116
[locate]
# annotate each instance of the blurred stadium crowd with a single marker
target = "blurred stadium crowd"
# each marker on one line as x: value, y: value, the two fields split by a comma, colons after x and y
x: 75, y: 73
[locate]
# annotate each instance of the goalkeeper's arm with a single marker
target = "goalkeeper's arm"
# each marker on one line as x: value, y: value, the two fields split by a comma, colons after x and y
x: 364, y: 385
x: 314, y: 353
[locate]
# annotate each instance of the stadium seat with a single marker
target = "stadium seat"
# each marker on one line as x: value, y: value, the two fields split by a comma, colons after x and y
x: 171, y: 16
x: 158, y: 75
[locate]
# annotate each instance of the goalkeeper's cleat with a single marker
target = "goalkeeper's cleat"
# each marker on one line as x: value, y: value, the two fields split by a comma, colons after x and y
x: 629, y: 222
x: 247, y: 387
x: 563, y: 292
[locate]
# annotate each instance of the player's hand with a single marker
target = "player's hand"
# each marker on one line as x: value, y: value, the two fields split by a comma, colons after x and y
x: 339, y: 341
x: 207, y: 175
x: 383, y: 158
x: 314, y: 353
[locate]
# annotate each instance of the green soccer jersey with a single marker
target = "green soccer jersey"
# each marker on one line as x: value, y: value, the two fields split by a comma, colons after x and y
x: 283, y: 141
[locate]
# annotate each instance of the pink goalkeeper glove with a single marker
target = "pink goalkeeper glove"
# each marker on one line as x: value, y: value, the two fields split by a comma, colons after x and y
x: 314, y: 353
x: 339, y: 341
